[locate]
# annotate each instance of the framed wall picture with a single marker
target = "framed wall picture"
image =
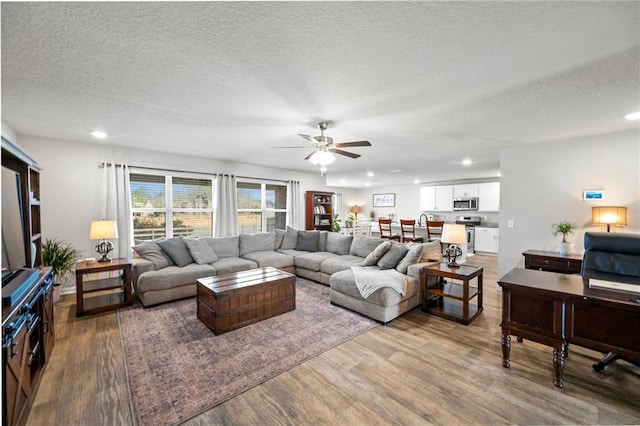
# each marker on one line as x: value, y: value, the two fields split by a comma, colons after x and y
x: 593, y: 194
x: 384, y: 200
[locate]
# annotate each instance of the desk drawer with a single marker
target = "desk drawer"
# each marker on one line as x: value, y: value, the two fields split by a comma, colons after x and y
x: 554, y: 265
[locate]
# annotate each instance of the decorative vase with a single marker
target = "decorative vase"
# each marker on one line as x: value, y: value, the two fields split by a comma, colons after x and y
x: 566, y: 248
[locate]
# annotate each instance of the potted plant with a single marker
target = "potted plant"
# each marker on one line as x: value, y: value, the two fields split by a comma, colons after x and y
x: 348, y: 220
x: 62, y: 259
x: 336, y: 222
x: 565, y: 228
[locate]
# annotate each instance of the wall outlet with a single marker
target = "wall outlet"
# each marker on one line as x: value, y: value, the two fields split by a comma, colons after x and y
x: 510, y: 223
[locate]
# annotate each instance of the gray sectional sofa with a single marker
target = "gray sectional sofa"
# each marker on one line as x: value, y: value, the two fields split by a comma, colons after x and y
x: 167, y: 270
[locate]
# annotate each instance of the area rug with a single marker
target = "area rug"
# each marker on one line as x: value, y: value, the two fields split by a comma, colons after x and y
x: 177, y: 368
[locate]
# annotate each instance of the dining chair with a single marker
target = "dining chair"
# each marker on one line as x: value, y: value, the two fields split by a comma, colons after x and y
x: 434, y: 231
x: 385, y: 230
x: 408, y: 228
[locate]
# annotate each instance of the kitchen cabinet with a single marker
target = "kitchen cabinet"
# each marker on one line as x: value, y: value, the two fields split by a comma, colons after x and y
x: 486, y: 240
x: 489, y: 197
x: 465, y: 191
x: 436, y: 198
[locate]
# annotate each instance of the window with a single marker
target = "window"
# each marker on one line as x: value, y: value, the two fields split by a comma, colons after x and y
x: 170, y: 206
x: 262, y: 207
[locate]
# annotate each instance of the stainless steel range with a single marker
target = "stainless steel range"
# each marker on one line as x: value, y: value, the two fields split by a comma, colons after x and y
x: 469, y: 222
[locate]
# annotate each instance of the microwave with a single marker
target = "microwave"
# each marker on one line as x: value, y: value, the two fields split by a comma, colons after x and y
x: 460, y: 204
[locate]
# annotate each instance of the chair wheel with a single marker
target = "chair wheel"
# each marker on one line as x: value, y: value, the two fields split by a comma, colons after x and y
x: 598, y: 367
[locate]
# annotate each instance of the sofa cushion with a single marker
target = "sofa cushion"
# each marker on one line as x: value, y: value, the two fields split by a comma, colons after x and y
x: 338, y: 243
x: 228, y: 265
x: 312, y: 260
x: 278, y: 238
x: 377, y: 253
x: 177, y: 251
x: 322, y: 241
x: 345, y: 283
x: 307, y: 241
x: 362, y: 245
x: 413, y: 256
x: 154, y: 254
x: 173, y: 276
x: 340, y: 263
x: 270, y: 258
x: 393, y: 256
x: 290, y: 239
x: 256, y: 242
x: 200, y: 251
x: 225, y: 246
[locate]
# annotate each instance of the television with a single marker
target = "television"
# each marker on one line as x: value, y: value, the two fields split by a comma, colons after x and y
x: 16, y: 277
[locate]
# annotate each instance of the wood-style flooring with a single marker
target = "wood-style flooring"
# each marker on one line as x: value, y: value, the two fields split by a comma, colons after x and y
x: 419, y: 369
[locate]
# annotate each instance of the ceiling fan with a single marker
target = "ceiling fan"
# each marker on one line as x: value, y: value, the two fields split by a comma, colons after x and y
x: 325, y: 147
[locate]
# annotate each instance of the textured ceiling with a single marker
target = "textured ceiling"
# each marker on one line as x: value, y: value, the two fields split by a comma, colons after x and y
x: 427, y: 83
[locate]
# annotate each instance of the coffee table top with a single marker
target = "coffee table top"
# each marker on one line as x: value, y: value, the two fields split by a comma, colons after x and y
x: 242, y: 279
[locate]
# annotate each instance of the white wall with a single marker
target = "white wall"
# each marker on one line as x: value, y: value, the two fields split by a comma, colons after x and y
x: 71, y: 181
x: 542, y: 184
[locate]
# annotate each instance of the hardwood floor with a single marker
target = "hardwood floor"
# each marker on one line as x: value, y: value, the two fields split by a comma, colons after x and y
x: 419, y: 369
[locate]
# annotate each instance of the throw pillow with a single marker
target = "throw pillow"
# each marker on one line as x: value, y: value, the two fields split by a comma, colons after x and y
x: 362, y: 245
x: 322, y: 241
x: 393, y: 256
x: 225, y: 246
x: 431, y: 252
x: 177, y: 251
x: 201, y: 252
x: 290, y: 239
x: 413, y: 256
x: 154, y: 254
x: 308, y: 240
x: 376, y: 254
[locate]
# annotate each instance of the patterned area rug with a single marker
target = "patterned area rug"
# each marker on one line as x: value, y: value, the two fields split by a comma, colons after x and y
x: 177, y: 368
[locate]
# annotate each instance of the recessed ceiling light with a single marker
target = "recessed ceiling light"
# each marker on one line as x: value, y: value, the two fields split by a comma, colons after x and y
x: 397, y: 171
x: 466, y: 162
x: 416, y: 181
x: 633, y: 116
x: 99, y: 134
x: 370, y: 174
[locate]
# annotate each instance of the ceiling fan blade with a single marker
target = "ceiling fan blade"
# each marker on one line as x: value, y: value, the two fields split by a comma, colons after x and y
x: 307, y: 137
x: 309, y: 156
x: 345, y: 153
x: 299, y: 146
x: 358, y: 143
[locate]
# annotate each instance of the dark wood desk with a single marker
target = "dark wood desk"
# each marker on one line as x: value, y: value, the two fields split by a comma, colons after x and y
x: 552, y: 261
x: 557, y: 309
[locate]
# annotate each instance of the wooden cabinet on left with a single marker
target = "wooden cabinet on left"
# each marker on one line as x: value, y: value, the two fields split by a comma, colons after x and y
x: 28, y: 338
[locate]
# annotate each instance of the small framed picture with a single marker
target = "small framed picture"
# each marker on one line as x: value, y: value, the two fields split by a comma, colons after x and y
x: 384, y: 200
x: 593, y: 194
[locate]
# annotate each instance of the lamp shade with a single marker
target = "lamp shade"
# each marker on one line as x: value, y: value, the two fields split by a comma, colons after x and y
x: 322, y: 158
x: 355, y: 209
x: 609, y: 216
x: 453, y: 234
x: 103, y: 229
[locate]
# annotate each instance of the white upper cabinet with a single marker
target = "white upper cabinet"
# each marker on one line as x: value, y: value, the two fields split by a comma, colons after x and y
x: 465, y: 191
x: 489, y: 197
x: 436, y: 198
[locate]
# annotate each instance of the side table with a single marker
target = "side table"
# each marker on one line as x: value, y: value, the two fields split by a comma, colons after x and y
x: 104, y: 293
x: 552, y: 261
x: 452, y: 300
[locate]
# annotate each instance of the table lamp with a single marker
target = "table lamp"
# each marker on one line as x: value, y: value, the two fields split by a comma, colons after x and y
x: 454, y: 235
x: 102, y: 230
x: 609, y: 216
x: 355, y: 209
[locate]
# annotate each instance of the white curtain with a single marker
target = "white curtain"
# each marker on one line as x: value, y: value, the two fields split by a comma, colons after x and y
x: 226, y: 206
x: 294, y: 201
x: 337, y: 206
x: 116, y: 205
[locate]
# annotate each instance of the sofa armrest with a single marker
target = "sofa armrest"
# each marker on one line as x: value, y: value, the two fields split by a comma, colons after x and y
x: 138, y: 267
x: 414, y: 270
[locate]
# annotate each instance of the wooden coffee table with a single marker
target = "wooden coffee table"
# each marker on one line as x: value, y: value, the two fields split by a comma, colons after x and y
x: 231, y: 301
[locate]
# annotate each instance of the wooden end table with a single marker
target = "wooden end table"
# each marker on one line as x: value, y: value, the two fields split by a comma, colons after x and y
x: 452, y: 300
x: 102, y: 292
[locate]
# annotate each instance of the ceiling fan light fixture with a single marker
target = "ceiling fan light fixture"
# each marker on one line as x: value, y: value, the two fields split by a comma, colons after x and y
x: 322, y: 158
